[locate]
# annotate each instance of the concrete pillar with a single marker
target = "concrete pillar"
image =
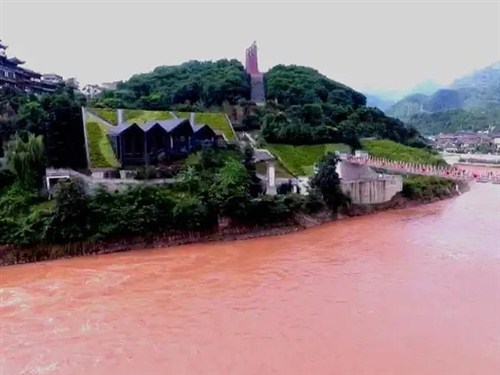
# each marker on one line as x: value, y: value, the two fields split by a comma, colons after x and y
x: 271, y: 178
x: 119, y: 116
x: 338, y: 169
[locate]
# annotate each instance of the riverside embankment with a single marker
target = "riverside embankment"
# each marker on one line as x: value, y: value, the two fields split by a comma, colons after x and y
x: 226, y: 231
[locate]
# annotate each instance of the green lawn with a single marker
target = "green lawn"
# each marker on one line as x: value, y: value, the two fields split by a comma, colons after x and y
x: 217, y: 121
x: 182, y: 114
x: 140, y: 116
x: 396, y: 151
x: 300, y: 160
x: 100, y: 149
x: 107, y: 114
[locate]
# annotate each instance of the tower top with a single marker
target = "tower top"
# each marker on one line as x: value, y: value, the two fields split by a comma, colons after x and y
x: 251, y: 62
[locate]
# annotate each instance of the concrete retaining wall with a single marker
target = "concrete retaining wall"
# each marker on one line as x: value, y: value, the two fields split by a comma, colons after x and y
x: 373, y: 191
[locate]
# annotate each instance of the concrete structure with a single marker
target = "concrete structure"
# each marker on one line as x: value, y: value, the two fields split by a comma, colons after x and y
x: 262, y: 155
x: 365, y: 186
x: 257, y: 92
x: 251, y: 60
x: 373, y: 191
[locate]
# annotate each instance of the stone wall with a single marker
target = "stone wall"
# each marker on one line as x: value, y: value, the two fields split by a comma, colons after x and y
x: 373, y: 191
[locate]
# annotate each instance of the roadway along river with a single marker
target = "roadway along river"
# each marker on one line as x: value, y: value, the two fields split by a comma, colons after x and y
x: 414, y: 291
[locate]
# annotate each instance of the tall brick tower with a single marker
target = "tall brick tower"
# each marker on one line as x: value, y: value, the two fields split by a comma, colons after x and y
x: 251, y: 63
x: 256, y: 78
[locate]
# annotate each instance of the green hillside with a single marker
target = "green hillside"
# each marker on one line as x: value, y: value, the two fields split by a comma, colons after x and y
x: 217, y: 121
x: 208, y: 83
x: 456, y: 120
x: 108, y: 114
x: 299, y: 85
x: 395, y: 151
x: 100, y: 150
x: 300, y: 160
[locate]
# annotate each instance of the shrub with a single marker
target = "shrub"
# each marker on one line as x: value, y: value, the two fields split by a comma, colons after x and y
x: 426, y: 187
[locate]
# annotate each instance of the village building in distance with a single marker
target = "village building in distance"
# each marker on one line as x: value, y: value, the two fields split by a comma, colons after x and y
x: 469, y: 142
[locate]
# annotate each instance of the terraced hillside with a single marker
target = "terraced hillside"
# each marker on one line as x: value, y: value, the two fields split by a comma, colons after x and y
x: 300, y: 160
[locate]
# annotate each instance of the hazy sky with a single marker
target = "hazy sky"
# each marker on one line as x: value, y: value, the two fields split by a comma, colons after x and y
x: 365, y: 44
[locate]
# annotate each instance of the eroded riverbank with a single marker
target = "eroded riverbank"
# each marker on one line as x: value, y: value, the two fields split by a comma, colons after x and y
x: 10, y: 255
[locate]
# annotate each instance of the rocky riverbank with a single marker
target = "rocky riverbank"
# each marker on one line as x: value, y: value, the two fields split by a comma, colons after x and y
x: 10, y: 255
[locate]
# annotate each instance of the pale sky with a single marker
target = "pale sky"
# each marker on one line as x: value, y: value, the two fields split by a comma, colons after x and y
x: 364, y: 44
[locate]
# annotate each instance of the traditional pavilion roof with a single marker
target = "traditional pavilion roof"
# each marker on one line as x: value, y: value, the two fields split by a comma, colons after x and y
x: 15, y: 60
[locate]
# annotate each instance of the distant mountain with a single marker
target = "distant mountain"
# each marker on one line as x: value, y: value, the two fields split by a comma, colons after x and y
x: 426, y: 87
x: 375, y: 101
x: 482, y: 79
x: 478, y: 92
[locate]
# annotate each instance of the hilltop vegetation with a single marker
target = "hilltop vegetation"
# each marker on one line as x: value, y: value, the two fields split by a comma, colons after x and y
x: 304, y: 106
x: 300, y: 160
x: 313, y: 109
x: 471, y: 103
x: 299, y: 85
x: 207, y: 84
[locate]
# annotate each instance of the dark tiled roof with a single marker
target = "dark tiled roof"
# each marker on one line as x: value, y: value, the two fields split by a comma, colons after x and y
x: 167, y: 125
x: 115, y: 130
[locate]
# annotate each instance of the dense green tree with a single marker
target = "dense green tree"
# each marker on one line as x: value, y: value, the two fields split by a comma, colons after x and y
x: 26, y: 160
x: 327, y: 182
x: 70, y: 218
x: 201, y: 83
x: 291, y: 85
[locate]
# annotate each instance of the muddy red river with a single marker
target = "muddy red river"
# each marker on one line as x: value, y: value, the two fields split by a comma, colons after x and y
x: 414, y: 291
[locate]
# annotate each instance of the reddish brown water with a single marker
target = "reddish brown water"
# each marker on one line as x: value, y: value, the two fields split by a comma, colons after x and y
x: 403, y: 292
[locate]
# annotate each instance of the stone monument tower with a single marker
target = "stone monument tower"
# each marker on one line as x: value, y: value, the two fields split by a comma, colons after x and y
x: 256, y: 78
